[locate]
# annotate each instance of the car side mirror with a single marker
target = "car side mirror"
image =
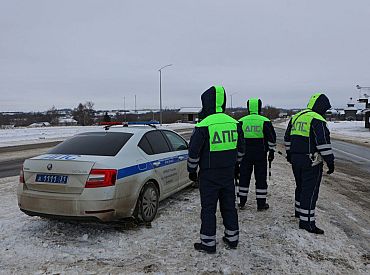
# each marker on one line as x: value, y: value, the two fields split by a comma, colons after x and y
x: 183, y: 147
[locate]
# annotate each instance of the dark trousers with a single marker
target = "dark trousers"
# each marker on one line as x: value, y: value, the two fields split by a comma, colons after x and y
x: 308, y: 179
x: 218, y: 185
x: 260, y: 174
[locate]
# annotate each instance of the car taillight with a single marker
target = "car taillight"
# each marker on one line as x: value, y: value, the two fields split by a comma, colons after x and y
x: 101, y: 178
x: 21, y: 176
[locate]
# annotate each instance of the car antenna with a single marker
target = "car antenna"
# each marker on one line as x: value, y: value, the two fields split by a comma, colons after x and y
x: 152, y: 125
x: 106, y: 127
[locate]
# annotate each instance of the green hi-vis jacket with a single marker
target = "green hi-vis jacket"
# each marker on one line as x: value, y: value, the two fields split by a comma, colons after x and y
x: 222, y: 129
x: 301, y: 122
x: 258, y: 131
x: 252, y: 125
x: 217, y: 140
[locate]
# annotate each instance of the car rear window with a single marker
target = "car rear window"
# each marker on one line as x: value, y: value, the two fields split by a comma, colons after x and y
x: 98, y: 144
x: 145, y: 146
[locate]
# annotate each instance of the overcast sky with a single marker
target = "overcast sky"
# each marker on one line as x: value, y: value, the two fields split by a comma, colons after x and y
x: 64, y: 52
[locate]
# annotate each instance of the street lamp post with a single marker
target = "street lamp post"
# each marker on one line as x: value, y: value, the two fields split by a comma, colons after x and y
x: 160, y: 92
x: 231, y: 99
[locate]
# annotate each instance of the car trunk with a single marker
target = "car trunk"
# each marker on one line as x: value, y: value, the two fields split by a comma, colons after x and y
x: 58, y: 173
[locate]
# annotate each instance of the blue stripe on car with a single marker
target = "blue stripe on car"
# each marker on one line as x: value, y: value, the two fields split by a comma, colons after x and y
x: 146, y: 166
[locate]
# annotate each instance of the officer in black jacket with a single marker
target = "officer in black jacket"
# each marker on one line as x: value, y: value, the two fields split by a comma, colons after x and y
x: 307, y: 144
x: 215, y: 146
x: 260, y: 138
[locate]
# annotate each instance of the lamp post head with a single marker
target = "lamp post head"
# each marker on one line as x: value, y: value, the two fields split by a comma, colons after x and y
x: 165, y: 67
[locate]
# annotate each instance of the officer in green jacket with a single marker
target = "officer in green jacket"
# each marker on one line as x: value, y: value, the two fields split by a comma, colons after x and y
x: 307, y: 144
x: 215, y: 147
x: 260, y: 139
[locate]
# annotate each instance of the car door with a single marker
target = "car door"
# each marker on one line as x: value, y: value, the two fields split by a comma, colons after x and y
x: 180, y: 148
x: 162, y: 158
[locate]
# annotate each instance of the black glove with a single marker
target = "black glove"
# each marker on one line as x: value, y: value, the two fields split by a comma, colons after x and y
x: 330, y: 168
x: 237, y: 171
x: 193, y: 176
x: 271, y: 156
x: 288, y: 157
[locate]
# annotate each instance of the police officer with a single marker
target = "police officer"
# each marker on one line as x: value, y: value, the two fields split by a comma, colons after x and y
x: 215, y: 146
x: 260, y: 138
x: 307, y: 143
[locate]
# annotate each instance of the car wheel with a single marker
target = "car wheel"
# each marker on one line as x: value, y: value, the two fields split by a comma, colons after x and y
x: 148, y: 202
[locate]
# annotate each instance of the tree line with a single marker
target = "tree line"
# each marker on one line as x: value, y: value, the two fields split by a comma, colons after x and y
x: 85, y: 115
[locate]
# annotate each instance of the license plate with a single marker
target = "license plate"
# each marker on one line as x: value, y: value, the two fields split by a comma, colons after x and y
x: 51, y: 178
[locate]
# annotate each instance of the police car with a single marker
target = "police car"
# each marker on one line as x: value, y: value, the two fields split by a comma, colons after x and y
x: 109, y: 174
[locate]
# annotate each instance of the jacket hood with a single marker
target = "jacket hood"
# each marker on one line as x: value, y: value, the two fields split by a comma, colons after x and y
x: 319, y: 103
x: 213, y: 101
x: 254, y: 106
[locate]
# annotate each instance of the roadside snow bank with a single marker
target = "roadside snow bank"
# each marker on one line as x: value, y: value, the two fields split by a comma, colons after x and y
x: 270, y: 242
x: 350, y: 130
x: 20, y: 136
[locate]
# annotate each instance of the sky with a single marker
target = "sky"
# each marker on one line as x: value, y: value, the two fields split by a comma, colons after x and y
x: 60, y: 53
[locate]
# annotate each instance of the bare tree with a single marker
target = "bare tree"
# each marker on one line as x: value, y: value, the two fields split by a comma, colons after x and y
x: 84, y: 113
x: 270, y: 112
x: 52, y: 115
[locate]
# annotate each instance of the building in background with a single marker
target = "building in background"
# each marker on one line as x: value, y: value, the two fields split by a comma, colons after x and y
x: 189, y: 114
x: 364, y: 94
x: 366, y: 111
x: 350, y: 111
x: 40, y: 124
x: 67, y: 121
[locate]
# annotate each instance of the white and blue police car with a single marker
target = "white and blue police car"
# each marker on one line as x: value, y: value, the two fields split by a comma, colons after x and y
x: 109, y: 174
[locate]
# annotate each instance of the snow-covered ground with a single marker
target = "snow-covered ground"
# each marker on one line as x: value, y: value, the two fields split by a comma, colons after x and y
x: 347, y: 130
x: 19, y: 136
x: 270, y: 242
x: 23, y: 135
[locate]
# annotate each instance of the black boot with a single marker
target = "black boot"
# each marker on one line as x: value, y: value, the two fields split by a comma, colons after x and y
x: 241, y: 206
x: 312, y: 229
x: 203, y: 248
x: 229, y: 244
x: 263, y: 207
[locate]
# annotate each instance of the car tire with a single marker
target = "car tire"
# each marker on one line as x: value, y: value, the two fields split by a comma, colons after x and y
x: 148, y: 203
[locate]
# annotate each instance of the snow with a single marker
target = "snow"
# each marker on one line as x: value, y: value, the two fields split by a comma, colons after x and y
x: 67, y: 120
x: 190, y: 110
x: 349, y: 130
x: 270, y: 242
x: 19, y: 136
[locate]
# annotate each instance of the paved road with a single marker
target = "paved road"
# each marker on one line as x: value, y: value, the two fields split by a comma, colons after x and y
x: 352, y: 154
x: 10, y: 168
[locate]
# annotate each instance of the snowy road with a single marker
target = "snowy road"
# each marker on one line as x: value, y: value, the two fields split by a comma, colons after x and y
x: 271, y: 242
